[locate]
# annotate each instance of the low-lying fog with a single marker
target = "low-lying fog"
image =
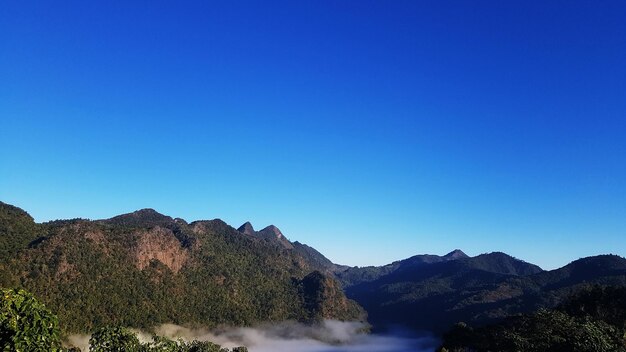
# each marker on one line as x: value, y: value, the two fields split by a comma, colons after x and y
x: 330, y: 336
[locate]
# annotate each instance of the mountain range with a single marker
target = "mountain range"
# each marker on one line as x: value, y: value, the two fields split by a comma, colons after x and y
x: 432, y: 293
x: 145, y: 268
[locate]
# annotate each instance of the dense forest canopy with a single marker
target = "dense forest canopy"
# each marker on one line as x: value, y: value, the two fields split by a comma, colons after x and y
x: 592, y: 320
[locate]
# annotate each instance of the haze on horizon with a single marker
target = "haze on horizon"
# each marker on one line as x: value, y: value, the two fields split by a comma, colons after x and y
x: 389, y: 128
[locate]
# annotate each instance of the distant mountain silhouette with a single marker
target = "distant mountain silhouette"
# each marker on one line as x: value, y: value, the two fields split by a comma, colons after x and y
x: 456, y: 254
x: 429, y: 292
x: 359, y: 275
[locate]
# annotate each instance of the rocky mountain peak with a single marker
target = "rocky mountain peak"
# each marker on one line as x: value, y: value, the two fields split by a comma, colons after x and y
x: 456, y: 254
x: 272, y: 233
x: 272, y: 230
x: 247, y: 229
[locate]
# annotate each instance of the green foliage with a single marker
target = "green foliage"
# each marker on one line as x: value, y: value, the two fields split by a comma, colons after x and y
x: 607, y: 304
x: 200, y: 346
x: 17, y: 230
x: 314, y: 257
x: 163, y: 344
x: 26, y: 324
x: 573, y: 327
x: 117, y: 339
x: 323, y: 298
x: 114, y: 339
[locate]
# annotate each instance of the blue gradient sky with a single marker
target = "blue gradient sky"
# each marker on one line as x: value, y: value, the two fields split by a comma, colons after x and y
x: 371, y: 130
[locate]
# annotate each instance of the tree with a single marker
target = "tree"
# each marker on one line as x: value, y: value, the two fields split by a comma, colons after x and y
x: 114, y: 339
x: 118, y: 339
x: 26, y: 324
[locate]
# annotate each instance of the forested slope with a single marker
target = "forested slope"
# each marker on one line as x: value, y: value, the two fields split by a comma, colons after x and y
x: 144, y: 268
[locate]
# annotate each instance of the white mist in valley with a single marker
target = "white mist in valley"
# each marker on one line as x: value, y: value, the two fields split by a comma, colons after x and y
x: 329, y: 336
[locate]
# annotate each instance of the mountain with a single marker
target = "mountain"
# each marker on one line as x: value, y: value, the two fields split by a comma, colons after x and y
x: 247, y: 229
x: 271, y: 234
x: 455, y: 254
x: 431, y: 293
x: 317, y: 259
x: 17, y: 230
x: 550, y: 288
x: 310, y: 255
x: 359, y: 275
x: 501, y: 263
x: 145, y: 268
x: 141, y: 218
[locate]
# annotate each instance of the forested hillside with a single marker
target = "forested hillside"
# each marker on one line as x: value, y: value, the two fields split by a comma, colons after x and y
x: 144, y: 268
x: 592, y: 320
x: 432, y: 293
x: 360, y: 275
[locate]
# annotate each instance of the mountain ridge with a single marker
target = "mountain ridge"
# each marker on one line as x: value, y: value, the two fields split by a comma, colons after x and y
x: 479, y: 289
x: 144, y: 268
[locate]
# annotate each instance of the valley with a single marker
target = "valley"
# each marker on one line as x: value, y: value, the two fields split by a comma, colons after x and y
x: 144, y: 269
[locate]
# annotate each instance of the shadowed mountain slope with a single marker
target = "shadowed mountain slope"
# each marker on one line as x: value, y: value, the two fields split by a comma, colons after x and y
x: 592, y: 320
x: 479, y: 289
x: 358, y: 275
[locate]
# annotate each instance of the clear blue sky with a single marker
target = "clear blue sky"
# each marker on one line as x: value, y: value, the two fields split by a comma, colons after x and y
x: 371, y: 130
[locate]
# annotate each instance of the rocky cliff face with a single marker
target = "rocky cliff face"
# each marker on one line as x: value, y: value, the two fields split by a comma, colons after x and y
x: 159, y: 244
x: 271, y: 234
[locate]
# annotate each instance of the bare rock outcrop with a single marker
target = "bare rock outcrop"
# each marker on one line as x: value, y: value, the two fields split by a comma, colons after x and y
x: 159, y: 244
